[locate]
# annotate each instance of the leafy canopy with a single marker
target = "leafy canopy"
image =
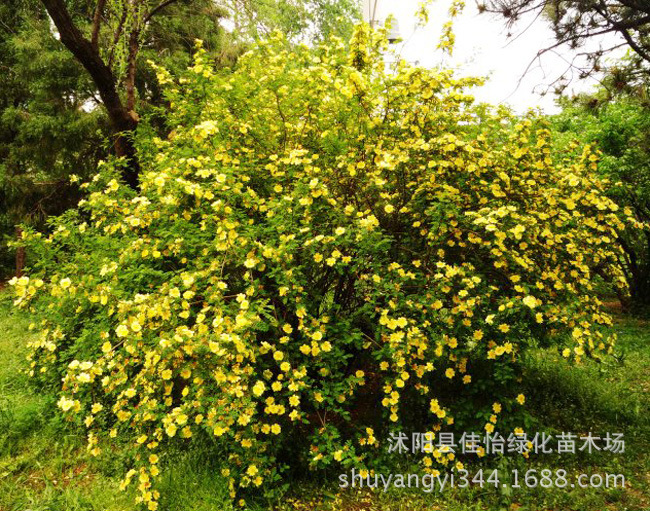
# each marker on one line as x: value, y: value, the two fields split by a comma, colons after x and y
x: 620, y: 128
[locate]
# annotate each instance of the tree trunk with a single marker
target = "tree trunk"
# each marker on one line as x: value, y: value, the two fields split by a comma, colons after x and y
x: 123, y: 120
x: 21, y: 255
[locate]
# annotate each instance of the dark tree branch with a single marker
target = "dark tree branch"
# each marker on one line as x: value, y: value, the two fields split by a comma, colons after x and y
x: 640, y: 51
x: 121, y: 119
x: 157, y: 9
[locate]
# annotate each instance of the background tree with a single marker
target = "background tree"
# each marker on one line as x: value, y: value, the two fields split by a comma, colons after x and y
x: 312, y: 20
x: 577, y: 21
x: 620, y: 127
x: 56, y: 81
x: 51, y: 121
x: 48, y: 128
x: 617, y: 117
x: 106, y: 38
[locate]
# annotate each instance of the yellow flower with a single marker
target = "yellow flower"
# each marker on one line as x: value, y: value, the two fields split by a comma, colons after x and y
x: 530, y: 301
x: 259, y: 388
x: 122, y: 331
x: 252, y: 470
x: 521, y: 399
x: 449, y: 373
x: 65, y: 404
x: 389, y: 208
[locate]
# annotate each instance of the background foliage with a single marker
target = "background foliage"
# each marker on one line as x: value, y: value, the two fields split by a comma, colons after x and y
x: 620, y: 127
x: 52, y: 124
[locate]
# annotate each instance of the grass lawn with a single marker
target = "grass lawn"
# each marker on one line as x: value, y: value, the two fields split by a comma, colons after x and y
x: 44, y: 464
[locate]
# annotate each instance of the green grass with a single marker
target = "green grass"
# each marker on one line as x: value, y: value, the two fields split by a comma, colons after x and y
x: 44, y: 464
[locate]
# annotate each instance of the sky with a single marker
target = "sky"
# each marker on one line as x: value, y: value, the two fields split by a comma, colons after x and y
x: 484, y: 49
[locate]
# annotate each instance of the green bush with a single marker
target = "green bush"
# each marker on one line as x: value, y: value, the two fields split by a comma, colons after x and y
x: 621, y: 130
x: 322, y: 251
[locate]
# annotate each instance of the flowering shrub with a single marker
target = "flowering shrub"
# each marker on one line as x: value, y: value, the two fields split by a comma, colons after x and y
x: 321, y: 251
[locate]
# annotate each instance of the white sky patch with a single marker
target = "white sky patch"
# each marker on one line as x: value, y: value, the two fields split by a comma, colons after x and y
x: 483, y: 49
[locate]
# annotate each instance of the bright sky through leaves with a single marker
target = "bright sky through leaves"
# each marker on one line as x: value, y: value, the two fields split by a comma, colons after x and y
x: 483, y: 48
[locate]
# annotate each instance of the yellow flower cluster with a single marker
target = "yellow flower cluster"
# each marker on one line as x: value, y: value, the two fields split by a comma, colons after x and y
x: 320, y: 245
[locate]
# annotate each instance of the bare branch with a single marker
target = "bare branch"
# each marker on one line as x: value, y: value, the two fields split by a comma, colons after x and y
x: 97, y: 21
x: 577, y: 21
x: 117, y: 34
x: 131, y: 68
